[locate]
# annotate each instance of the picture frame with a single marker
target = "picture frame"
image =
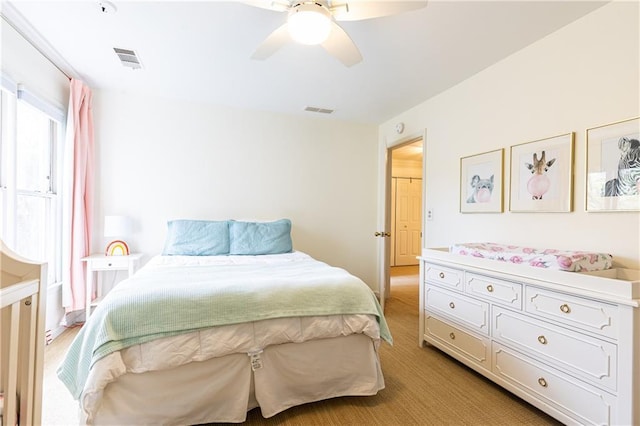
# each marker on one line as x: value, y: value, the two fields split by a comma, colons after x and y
x: 542, y: 175
x: 613, y: 167
x: 481, y: 182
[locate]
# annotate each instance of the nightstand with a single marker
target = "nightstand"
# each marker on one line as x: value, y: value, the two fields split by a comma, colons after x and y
x: 100, y: 262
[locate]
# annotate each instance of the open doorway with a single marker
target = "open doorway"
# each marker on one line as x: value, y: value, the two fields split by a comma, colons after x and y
x: 405, y: 213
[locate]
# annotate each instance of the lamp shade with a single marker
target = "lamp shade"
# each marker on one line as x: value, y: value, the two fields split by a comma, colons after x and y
x: 117, y: 226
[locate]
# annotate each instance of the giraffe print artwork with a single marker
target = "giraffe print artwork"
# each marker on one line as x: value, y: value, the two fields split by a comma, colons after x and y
x: 542, y: 178
x: 539, y: 183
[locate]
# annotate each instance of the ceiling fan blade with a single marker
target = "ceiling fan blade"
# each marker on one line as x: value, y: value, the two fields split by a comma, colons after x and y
x: 340, y: 45
x: 271, y: 44
x: 277, y: 5
x: 359, y: 10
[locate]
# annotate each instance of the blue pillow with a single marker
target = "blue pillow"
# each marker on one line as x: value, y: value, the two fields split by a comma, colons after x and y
x: 197, y: 238
x: 260, y: 237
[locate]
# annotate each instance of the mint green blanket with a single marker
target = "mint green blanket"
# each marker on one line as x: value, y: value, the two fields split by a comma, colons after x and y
x: 161, y: 301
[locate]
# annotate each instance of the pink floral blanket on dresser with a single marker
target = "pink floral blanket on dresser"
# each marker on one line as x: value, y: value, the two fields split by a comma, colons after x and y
x: 564, y: 260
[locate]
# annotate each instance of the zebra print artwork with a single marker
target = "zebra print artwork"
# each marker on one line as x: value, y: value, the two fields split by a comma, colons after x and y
x: 627, y: 180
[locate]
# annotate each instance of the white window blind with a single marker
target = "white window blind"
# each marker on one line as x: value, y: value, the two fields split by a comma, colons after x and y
x: 7, y: 84
x: 54, y: 111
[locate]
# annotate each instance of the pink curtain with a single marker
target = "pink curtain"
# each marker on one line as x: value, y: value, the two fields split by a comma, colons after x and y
x: 79, y: 147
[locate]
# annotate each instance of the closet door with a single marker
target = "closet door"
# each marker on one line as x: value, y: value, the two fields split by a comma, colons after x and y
x: 408, y: 221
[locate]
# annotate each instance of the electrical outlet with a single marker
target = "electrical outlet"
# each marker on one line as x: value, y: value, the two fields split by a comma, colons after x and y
x: 429, y: 214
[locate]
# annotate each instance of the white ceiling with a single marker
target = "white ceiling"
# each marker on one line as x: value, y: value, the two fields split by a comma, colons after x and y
x: 409, y: 152
x: 201, y: 51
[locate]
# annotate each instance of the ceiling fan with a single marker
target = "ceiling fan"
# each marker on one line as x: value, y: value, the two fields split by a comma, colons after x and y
x: 313, y: 22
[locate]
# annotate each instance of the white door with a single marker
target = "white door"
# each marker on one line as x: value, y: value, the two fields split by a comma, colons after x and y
x: 384, y: 213
x: 392, y: 238
x: 408, y: 224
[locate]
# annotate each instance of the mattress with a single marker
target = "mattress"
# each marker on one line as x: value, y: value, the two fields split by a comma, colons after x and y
x: 563, y: 260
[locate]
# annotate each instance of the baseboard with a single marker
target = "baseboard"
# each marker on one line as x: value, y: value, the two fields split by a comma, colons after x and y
x: 52, y: 334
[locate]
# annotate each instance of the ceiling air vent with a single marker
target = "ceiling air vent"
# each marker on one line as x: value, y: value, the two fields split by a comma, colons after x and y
x: 319, y: 110
x: 128, y: 58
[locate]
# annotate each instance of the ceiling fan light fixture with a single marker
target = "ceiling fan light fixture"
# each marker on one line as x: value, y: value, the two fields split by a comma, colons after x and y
x: 309, y: 23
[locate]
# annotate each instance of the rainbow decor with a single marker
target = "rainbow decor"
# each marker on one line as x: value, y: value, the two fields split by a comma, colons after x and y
x: 117, y: 248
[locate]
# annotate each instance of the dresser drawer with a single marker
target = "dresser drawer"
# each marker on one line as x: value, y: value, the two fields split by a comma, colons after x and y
x: 474, y: 348
x: 441, y: 275
x: 494, y: 290
x: 469, y: 312
x: 580, y: 400
x: 598, y: 317
x: 584, y: 356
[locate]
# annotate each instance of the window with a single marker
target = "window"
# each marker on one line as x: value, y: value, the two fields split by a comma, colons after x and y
x: 29, y: 154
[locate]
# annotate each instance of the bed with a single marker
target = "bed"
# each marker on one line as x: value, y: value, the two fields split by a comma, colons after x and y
x: 228, y: 318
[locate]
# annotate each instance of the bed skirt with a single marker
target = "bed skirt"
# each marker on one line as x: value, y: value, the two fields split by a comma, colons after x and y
x: 223, y: 389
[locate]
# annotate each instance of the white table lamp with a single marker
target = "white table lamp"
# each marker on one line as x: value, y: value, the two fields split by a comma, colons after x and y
x: 118, y: 227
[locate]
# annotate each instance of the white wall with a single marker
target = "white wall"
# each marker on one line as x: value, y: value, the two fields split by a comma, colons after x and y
x: 584, y: 75
x: 159, y: 160
x: 406, y: 168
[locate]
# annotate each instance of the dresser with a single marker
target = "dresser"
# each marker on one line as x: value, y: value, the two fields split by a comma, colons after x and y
x: 566, y: 342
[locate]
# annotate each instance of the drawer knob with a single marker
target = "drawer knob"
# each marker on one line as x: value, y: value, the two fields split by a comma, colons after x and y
x: 452, y: 336
x: 565, y: 308
x: 542, y: 382
x: 452, y: 305
x: 542, y: 340
x: 109, y: 264
x: 441, y: 275
x: 490, y: 288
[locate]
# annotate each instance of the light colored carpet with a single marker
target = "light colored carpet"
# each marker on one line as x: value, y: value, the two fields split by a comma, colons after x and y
x: 423, y: 385
x: 58, y: 406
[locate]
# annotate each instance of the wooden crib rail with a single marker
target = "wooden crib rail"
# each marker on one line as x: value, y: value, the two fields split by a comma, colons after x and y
x: 22, y: 302
x: 17, y: 292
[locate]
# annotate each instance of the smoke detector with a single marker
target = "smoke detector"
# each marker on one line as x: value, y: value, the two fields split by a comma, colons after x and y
x: 107, y: 7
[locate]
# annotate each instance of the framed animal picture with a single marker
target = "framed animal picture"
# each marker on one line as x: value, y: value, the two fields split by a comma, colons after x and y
x: 542, y: 175
x: 481, y: 178
x: 613, y: 167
